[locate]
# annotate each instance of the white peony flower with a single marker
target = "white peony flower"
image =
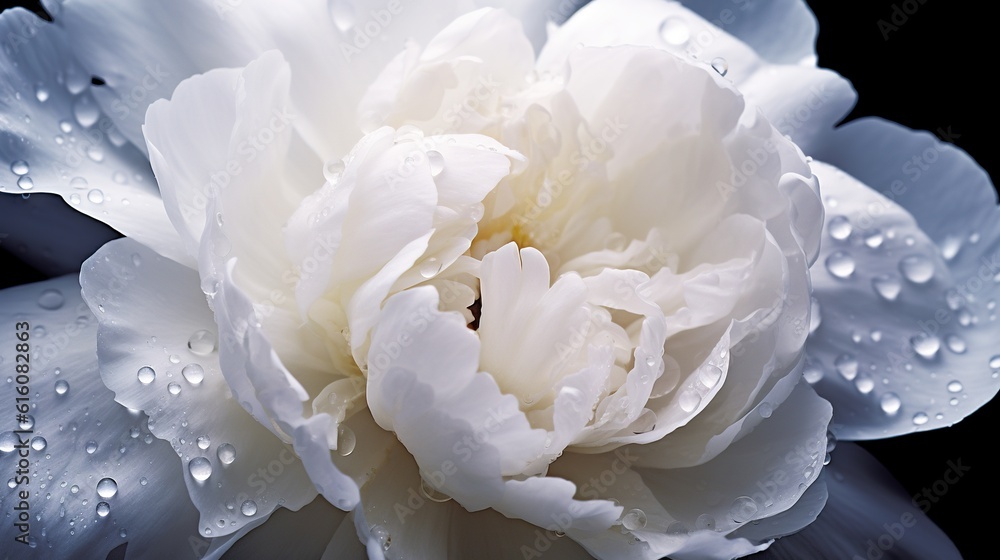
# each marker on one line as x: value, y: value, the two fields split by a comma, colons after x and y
x: 484, y: 297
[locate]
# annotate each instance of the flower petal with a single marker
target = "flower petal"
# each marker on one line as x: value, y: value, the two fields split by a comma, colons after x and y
x: 56, y: 139
x: 406, y: 523
x: 678, y: 506
x: 81, y: 436
x: 157, y: 347
x: 802, y: 101
x: 904, y: 339
x: 782, y: 31
x: 868, y: 515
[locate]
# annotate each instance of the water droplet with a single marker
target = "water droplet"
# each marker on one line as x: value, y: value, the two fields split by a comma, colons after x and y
x: 51, y: 300
x: 146, y: 375
x: 709, y: 375
x: 840, y: 264
x: 890, y: 403
x: 674, y: 31
x: 107, y: 487
x: 342, y: 13
x: 38, y: 443
x: 812, y: 374
x: 62, y: 387
x: 743, y: 509
x: 688, y: 400
x: 91, y: 447
x: 864, y: 384
x: 436, y: 162
x: 955, y: 343
x: 477, y: 212
x: 874, y: 240
x: 917, y: 269
x: 955, y: 387
x: 20, y: 167
x: 193, y: 373
x: 381, y: 536
x: 876, y: 335
x: 765, y: 410
x: 204, y: 442
x: 950, y: 247
x: 720, y: 65
x: 847, y: 366
x: 103, y: 509
x: 430, y: 267
x: 8, y: 440
x: 248, y: 508
x: 431, y: 493
x: 41, y: 93
x: 887, y: 287
x: 174, y: 389
x: 200, y: 469
x: 920, y: 418
x: 95, y: 153
x: 25, y: 183
x: 202, y: 343
x: 96, y: 196
x: 143, y: 481
x: 333, y: 171
x: 28, y: 423
x: 705, y: 522
x: 86, y: 111
x: 925, y: 345
x: 65, y: 126
x: 74, y: 199
x: 840, y: 228
x: 634, y: 519
x: 226, y: 453
x: 346, y: 440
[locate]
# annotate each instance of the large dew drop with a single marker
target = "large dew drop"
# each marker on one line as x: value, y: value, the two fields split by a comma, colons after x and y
x: 200, y: 469
x: 107, y: 487
x: 917, y: 269
x: 675, y: 32
x: 634, y: 520
x: 840, y: 265
x: 227, y: 453
x: 202, y: 343
x: 743, y: 509
x: 146, y: 375
x: 51, y: 300
x: 193, y: 373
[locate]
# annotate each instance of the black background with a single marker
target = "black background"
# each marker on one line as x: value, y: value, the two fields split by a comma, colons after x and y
x: 931, y: 73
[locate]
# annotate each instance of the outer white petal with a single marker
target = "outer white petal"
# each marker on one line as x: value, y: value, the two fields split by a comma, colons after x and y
x: 149, y: 309
x: 52, y: 123
x: 907, y: 341
x: 681, y: 505
x: 802, y: 101
x: 88, y: 436
x: 335, y: 49
x: 399, y: 514
x: 868, y: 515
x: 782, y: 31
x: 231, y: 181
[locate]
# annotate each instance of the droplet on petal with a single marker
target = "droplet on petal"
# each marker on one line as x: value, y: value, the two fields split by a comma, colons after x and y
x: 674, y: 31
x: 346, y: 440
x: 634, y: 520
x: 146, y: 375
x: 107, y: 487
x: 840, y: 265
x: 917, y: 269
x: 720, y: 65
x: 743, y: 509
x: 840, y: 228
x: 193, y: 373
x: 890, y: 403
x: 51, y: 300
x: 200, y: 469
x: 226, y: 453
x: 248, y: 508
x: 202, y: 342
